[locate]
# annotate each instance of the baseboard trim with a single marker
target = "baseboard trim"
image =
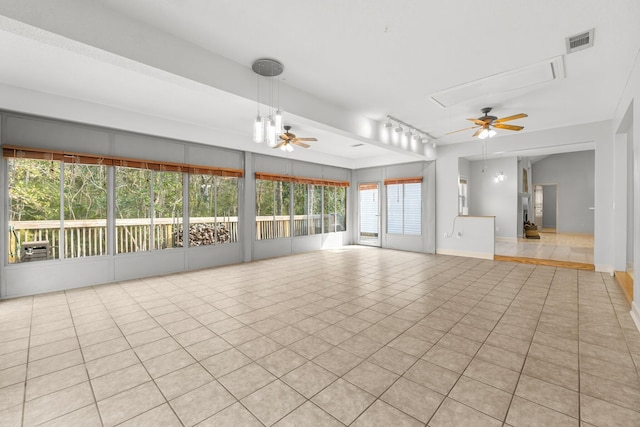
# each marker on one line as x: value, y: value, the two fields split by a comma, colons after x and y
x: 626, y: 284
x: 467, y: 254
x: 547, y: 262
x: 635, y: 314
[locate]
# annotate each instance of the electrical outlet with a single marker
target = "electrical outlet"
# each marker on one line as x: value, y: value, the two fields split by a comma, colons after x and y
x: 497, y: 228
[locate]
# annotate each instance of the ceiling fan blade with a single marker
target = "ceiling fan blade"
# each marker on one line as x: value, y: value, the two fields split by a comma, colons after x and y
x: 280, y: 144
x: 478, y: 122
x: 301, y: 144
x: 306, y: 139
x: 478, y: 132
x: 507, y: 127
x: 286, y: 136
x: 462, y: 130
x: 514, y: 117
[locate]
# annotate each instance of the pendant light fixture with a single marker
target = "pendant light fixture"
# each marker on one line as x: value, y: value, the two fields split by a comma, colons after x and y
x: 268, y: 126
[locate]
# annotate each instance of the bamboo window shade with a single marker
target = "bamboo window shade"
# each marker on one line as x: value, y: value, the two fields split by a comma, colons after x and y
x: 300, y: 180
x: 363, y: 187
x: 410, y: 180
x: 9, y: 151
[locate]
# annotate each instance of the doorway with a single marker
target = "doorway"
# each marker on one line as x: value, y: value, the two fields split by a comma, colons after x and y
x: 369, y: 214
x: 546, y: 207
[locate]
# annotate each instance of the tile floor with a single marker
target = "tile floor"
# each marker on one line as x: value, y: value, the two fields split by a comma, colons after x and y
x: 555, y: 246
x: 357, y: 336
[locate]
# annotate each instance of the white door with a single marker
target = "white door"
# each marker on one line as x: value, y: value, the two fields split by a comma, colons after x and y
x: 369, y: 217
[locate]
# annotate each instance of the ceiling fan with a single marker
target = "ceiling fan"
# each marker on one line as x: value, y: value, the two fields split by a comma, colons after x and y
x: 287, y: 139
x: 485, y: 124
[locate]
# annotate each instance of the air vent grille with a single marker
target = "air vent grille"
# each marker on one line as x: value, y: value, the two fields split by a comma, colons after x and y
x: 580, y: 41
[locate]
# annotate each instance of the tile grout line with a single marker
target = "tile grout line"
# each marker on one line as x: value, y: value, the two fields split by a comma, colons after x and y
x: 26, y: 367
x: 84, y: 363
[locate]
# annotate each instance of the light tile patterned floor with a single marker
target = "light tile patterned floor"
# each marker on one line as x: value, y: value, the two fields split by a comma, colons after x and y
x: 358, y: 336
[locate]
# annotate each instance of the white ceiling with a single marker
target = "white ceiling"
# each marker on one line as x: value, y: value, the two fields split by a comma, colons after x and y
x: 348, y: 64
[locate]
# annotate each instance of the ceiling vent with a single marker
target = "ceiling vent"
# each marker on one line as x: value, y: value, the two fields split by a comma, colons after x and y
x: 580, y: 41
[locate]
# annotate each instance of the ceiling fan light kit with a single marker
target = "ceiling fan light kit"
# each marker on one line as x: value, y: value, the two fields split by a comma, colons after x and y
x: 487, y: 124
x: 288, y: 140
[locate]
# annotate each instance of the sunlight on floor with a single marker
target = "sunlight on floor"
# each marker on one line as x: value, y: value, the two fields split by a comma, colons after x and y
x: 556, y: 246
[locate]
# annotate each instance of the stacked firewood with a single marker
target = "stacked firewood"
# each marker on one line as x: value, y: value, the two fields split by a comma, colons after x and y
x: 204, y: 234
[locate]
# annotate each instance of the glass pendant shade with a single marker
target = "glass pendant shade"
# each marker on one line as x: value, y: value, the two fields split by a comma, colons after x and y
x: 278, y: 120
x: 258, y: 130
x: 492, y: 133
x: 484, y: 133
x: 271, y: 132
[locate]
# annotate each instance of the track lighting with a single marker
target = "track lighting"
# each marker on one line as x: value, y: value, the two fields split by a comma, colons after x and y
x: 418, y: 135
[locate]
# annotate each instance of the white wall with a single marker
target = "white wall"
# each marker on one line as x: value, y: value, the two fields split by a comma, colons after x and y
x: 626, y: 118
x: 499, y: 199
x: 574, y: 174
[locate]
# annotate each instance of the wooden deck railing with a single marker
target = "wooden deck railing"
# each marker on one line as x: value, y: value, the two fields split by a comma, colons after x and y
x: 89, y: 237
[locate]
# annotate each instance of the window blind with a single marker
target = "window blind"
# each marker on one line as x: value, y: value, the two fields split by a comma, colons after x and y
x: 404, y: 206
x: 410, y: 180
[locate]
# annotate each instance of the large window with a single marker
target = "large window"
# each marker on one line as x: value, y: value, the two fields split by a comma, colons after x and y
x: 213, y: 210
x: 307, y: 213
x: 404, y: 206
x: 273, y: 204
x: 38, y: 228
x: 335, y: 209
x: 319, y: 206
x: 58, y: 204
x: 34, y: 209
x: 133, y: 210
x: 167, y: 209
x: 85, y: 210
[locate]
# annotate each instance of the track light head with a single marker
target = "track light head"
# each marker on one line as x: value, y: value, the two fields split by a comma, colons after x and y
x: 399, y: 129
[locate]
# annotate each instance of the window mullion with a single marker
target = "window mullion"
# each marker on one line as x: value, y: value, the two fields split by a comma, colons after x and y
x: 152, y: 234
x: 61, y: 233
